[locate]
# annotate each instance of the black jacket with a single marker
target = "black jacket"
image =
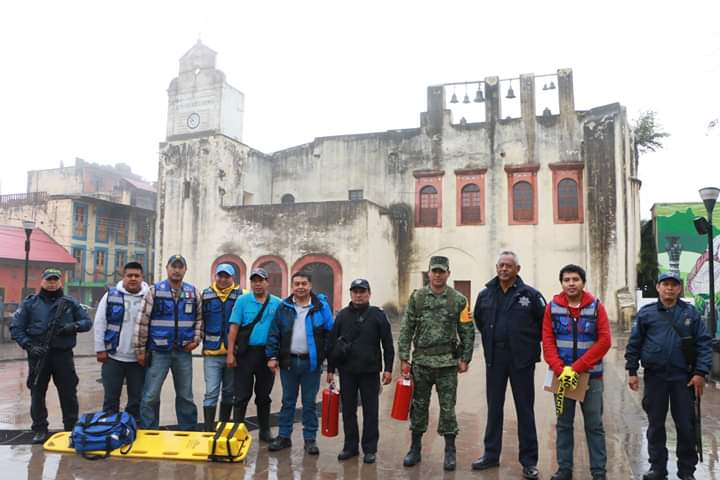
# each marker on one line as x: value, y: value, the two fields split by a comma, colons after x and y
x: 527, y: 309
x: 366, y: 337
x: 30, y: 322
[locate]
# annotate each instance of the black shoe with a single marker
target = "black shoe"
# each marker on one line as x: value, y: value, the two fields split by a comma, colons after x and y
x: 599, y: 476
x: 449, y: 460
x: 369, y: 458
x: 414, y: 456
x: 40, y: 437
x: 530, y: 472
x: 686, y: 476
x: 653, y: 474
x: 346, y: 454
x: 265, y: 436
x: 311, y: 447
x: 279, y: 443
x: 483, y: 463
x: 563, y: 475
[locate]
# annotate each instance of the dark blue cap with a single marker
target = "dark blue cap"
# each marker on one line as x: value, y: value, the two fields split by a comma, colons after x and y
x: 669, y: 276
x: 360, y: 283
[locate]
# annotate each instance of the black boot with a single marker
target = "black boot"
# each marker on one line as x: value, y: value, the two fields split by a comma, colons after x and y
x: 225, y: 411
x: 209, y: 415
x: 449, y: 462
x: 413, y: 457
x: 239, y: 412
x: 263, y: 417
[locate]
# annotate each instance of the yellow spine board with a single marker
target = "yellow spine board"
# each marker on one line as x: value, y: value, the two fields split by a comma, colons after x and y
x: 166, y: 444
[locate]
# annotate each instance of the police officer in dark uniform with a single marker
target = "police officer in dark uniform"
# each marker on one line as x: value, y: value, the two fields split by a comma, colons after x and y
x: 509, y: 315
x: 670, y: 376
x: 30, y: 328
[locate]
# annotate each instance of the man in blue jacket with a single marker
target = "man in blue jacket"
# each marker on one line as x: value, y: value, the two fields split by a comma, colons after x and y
x: 296, y: 345
x: 30, y: 329
x: 509, y: 315
x: 670, y: 377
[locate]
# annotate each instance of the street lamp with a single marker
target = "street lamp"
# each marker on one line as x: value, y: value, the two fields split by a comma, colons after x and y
x: 28, y: 225
x: 709, y: 196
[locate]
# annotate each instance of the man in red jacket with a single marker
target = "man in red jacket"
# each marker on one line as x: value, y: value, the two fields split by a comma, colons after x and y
x: 576, y: 337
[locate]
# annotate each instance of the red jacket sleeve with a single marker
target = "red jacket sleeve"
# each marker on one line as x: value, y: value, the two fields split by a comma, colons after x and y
x: 596, y: 353
x: 550, y: 351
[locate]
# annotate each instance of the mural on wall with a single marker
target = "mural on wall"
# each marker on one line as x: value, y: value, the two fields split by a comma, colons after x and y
x: 681, y: 249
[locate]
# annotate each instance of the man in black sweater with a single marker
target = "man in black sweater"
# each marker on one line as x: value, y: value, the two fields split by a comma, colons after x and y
x: 355, y: 341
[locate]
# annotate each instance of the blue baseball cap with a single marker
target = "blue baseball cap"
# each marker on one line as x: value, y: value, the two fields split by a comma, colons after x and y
x: 225, y: 268
x: 669, y: 276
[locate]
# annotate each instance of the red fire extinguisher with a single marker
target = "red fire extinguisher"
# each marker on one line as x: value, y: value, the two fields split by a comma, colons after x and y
x: 403, y: 396
x: 330, y: 411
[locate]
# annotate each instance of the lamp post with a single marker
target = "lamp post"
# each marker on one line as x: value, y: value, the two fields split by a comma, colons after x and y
x: 709, y: 196
x: 28, y: 225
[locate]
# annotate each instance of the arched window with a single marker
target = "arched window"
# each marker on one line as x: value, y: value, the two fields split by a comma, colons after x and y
x: 287, y: 199
x: 326, y: 277
x: 429, y: 206
x: 470, y: 212
x: 567, y: 198
x: 236, y: 262
x: 522, y: 202
x: 275, y: 277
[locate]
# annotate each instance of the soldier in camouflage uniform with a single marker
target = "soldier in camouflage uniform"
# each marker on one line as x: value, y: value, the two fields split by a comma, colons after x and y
x: 438, y: 324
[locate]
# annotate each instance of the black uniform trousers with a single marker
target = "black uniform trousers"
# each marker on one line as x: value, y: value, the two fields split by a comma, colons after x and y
x: 252, y: 371
x: 523, y: 390
x: 658, y: 393
x: 60, y: 366
x: 368, y: 384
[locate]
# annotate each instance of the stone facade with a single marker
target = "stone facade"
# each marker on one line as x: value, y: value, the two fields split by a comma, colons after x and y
x: 556, y: 188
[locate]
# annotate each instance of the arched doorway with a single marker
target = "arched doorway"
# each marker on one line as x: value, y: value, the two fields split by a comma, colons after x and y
x: 326, y: 277
x: 277, y: 273
x: 238, y: 265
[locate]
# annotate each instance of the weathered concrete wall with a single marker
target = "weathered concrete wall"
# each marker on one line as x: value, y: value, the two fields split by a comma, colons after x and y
x: 56, y: 181
x: 53, y: 216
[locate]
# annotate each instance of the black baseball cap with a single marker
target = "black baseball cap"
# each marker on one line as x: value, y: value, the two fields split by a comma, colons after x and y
x: 360, y: 283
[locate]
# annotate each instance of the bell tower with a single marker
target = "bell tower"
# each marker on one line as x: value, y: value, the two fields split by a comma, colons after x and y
x: 200, y: 101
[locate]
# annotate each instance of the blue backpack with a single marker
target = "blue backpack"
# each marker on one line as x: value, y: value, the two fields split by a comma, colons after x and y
x: 100, y: 431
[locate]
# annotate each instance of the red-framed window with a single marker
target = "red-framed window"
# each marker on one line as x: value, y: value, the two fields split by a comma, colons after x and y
x: 568, y: 205
x: 522, y: 194
x: 237, y: 263
x: 326, y: 275
x: 277, y: 273
x: 428, y: 198
x: 470, y: 197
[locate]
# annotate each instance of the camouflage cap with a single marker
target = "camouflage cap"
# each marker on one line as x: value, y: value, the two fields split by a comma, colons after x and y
x: 439, y: 262
x: 51, y: 272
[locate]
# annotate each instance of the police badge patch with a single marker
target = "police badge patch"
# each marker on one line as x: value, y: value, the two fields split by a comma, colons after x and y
x: 524, y: 301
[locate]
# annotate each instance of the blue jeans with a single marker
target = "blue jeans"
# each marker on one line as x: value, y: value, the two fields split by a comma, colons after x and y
x: 181, y: 365
x: 299, y: 376
x: 217, y: 373
x: 592, y: 409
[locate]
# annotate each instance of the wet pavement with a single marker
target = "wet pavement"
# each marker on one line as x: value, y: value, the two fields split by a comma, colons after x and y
x: 625, y: 425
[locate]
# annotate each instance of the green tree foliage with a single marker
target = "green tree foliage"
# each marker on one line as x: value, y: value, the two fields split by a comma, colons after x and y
x: 648, y: 133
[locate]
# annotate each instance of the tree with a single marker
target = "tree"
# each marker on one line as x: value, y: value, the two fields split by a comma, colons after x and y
x: 648, y: 133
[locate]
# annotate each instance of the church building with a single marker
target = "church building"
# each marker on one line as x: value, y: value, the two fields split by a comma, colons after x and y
x: 554, y: 184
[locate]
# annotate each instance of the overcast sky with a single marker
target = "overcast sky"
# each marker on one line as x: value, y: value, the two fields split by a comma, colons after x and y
x: 84, y: 79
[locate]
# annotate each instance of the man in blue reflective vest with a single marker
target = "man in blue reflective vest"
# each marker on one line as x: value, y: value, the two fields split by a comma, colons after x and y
x: 169, y: 328
x: 115, y: 320
x: 218, y: 301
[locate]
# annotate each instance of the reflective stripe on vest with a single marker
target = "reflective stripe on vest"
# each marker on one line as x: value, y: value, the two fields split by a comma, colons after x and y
x: 114, y: 316
x: 216, y: 316
x: 585, y: 336
x: 171, y: 322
